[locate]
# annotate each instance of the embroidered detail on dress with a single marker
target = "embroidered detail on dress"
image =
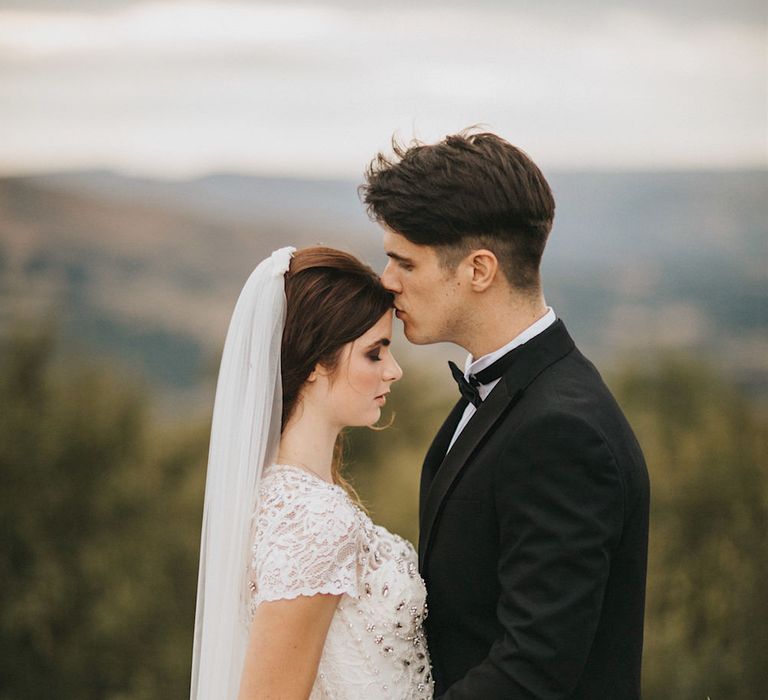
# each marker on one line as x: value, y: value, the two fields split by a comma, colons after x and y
x: 309, y: 537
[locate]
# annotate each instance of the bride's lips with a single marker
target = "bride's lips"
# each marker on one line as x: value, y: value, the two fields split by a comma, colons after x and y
x: 382, y: 398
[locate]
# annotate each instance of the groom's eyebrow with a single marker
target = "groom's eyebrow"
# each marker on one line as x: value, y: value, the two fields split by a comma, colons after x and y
x: 399, y: 258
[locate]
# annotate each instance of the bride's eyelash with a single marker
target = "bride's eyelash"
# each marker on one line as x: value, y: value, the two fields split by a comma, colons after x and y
x: 375, y: 356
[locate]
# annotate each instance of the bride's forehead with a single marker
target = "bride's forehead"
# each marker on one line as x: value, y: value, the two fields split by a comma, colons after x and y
x: 379, y: 331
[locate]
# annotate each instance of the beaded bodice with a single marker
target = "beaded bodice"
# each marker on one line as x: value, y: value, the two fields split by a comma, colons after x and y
x: 311, y: 538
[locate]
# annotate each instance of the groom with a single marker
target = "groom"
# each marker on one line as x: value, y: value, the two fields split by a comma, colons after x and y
x: 534, y: 493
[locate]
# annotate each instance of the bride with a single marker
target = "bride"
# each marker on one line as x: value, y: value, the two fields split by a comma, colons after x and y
x: 300, y: 595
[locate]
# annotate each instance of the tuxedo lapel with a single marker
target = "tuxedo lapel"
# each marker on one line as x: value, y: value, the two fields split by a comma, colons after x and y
x: 481, y: 422
x: 532, y: 358
x: 437, y: 451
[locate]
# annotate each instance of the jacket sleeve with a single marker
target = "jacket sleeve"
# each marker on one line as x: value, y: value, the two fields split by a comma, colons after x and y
x: 559, y: 503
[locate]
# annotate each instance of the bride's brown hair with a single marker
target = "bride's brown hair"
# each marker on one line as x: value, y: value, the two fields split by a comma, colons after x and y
x: 332, y: 299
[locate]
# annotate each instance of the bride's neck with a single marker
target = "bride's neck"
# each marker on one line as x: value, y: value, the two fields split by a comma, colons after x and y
x: 308, y: 441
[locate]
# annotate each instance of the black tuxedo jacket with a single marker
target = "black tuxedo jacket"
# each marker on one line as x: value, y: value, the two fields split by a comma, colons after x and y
x: 534, y: 533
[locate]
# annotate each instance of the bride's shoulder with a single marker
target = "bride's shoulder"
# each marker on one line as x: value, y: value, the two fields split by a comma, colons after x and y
x: 307, y: 537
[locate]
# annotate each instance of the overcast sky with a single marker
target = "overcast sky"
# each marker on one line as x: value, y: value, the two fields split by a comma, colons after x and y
x: 181, y: 88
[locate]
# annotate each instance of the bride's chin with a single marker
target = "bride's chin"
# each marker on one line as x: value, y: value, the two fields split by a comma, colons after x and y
x: 365, y: 421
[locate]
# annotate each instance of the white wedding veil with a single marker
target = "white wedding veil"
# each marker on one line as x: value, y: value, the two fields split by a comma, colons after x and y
x: 244, y: 437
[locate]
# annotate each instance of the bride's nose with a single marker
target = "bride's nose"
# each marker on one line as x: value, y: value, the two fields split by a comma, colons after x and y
x: 392, y: 372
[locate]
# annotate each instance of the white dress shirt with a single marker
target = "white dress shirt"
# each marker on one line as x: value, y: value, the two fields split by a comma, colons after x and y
x: 472, y: 366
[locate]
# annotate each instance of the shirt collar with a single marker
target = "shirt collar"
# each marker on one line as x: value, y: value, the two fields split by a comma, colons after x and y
x: 472, y: 366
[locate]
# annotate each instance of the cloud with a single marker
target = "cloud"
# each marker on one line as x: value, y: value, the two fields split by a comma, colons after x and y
x: 159, y: 28
x: 180, y: 87
x: 746, y: 11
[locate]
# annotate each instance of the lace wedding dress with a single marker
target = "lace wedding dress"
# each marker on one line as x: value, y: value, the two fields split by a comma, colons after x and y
x: 311, y: 538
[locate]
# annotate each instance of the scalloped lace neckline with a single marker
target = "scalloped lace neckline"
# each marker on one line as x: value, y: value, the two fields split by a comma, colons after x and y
x: 306, y: 472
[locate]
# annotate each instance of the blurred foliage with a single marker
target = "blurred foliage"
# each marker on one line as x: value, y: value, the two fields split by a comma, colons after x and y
x: 100, y: 509
x: 707, y: 609
x: 384, y: 463
x: 99, y: 529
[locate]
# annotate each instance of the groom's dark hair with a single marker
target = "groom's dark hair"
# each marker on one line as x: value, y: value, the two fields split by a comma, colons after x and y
x: 471, y: 190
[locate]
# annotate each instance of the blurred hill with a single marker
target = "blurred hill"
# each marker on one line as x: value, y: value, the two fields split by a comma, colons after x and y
x: 150, y: 269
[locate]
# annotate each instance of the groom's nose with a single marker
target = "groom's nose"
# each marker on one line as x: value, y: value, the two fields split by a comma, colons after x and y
x: 390, y: 279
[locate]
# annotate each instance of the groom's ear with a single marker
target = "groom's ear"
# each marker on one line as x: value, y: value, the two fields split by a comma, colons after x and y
x: 484, y: 267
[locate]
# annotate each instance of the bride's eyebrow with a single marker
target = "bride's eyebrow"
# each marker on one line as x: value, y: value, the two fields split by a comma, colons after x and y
x: 381, y: 341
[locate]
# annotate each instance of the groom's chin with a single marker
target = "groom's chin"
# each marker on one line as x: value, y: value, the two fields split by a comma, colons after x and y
x: 412, y: 333
x: 413, y: 336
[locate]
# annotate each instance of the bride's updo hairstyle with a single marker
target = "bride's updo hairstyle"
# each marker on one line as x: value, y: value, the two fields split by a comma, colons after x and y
x: 332, y: 299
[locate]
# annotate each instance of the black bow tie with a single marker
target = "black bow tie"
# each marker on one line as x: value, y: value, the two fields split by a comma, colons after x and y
x: 469, y: 388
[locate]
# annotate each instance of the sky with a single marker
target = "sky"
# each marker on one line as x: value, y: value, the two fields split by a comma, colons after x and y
x: 178, y: 88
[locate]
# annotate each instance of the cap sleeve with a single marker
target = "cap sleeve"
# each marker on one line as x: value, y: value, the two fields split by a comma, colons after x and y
x: 307, y: 543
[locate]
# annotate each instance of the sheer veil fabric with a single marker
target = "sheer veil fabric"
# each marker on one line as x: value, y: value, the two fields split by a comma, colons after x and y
x: 244, y: 437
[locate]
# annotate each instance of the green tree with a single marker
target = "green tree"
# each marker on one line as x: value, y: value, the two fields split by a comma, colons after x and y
x: 707, y: 610
x: 98, y: 534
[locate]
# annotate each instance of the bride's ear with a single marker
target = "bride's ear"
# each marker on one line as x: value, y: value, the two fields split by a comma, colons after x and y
x: 317, y: 372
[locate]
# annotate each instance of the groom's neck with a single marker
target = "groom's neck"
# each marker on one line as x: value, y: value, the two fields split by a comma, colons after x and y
x: 498, y: 319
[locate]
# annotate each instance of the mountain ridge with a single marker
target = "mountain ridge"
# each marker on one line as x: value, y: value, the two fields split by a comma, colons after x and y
x: 150, y: 270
